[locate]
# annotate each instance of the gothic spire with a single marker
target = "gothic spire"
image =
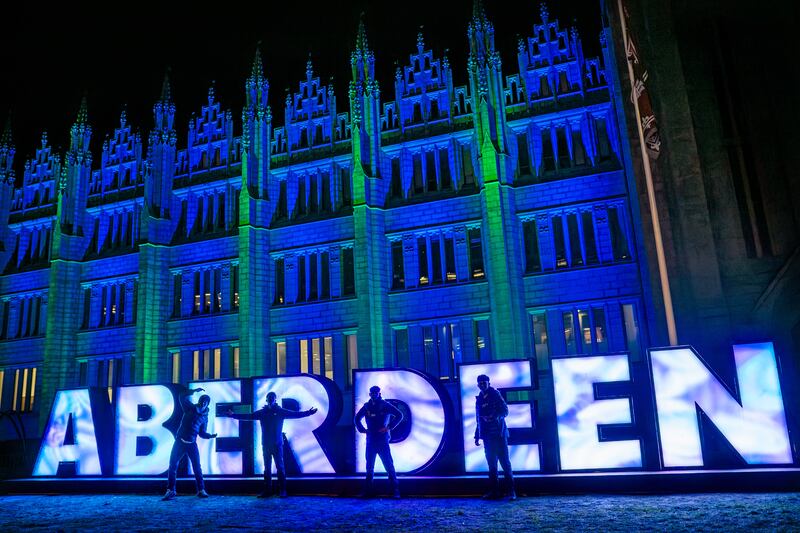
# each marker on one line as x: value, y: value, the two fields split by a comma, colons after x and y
x: 5, y: 140
x: 309, y: 66
x: 257, y: 71
x: 83, y: 113
x: 211, y: 92
x: 123, y: 116
x: 361, y: 38
x: 478, y: 13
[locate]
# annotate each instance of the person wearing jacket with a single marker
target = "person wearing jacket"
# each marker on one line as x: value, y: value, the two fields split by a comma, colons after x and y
x: 491, y: 411
x: 381, y: 417
x: 271, y: 417
x: 193, y: 423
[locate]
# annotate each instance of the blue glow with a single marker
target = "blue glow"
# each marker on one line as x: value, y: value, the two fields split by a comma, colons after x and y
x: 159, y: 400
x: 579, y: 414
x: 53, y: 450
x: 428, y: 420
x: 212, y: 461
x: 503, y: 375
x: 309, y: 392
x: 756, y: 427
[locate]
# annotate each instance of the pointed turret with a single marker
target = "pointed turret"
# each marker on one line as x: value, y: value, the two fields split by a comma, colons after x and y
x: 6, y: 186
x: 7, y: 154
x: 365, y: 112
x: 75, y: 175
x: 256, y: 135
x: 160, y: 169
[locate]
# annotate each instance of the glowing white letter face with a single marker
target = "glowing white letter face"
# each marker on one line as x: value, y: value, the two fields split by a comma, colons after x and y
x: 756, y: 428
x: 212, y: 461
x: 69, y: 406
x: 425, y: 437
x: 579, y: 414
x: 502, y: 375
x: 308, y: 392
x: 158, y: 399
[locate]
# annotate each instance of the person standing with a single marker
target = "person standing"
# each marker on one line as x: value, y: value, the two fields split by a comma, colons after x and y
x: 491, y: 411
x: 382, y: 417
x: 193, y: 423
x: 271, y: 417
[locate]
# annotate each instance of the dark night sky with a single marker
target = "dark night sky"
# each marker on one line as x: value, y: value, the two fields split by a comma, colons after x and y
x: 118, y: 54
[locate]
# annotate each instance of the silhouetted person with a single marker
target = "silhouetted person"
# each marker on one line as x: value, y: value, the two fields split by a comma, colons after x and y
x: 271, y: 417
x: 193, y: 423
x: 491, y: 411
x: 379, y: 414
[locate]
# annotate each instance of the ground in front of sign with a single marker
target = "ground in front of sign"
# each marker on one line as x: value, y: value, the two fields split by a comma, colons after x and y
x: 683, y: 512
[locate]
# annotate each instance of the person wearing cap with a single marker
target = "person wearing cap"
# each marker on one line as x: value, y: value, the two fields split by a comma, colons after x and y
x: 491, y: 411
x: 271, y: 417
x: 193, y: 423
x: 381, y: 417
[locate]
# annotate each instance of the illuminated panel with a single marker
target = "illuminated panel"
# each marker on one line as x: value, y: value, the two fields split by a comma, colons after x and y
x: 756, y: 427
x: 426, y: 433
x: 502, y: 375
x: 309, y: 392
x: 579, y: 414
x: 69, y: 405
x: 159, y: 408
x: 212, y: 461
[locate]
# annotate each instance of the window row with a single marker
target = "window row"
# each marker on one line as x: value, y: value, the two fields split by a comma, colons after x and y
x: 107, y: 372
x: 333, y: 356
x: 431, y: 171
x: 588, y: 329
x: 563, y: 147
x: 24, y: 316
x: 212, y: 212
x: 204, y: 363
x: 18, y: 389
x: 314, y: 275
x: 435, y: 258
x: 314, y: 194
x: 438, y: 347
x: 32, y: 246
x: 114, y: 231
x: 109, y: 304
x: 205, y: 291
x: 577, y: 237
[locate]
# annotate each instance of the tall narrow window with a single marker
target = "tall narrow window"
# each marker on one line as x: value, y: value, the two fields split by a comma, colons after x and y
x: 325, y: 200
x: 236, y: 363
x: 422, y: 255
x: 348, y: 272
x: 589, y: 241
x: 450, y: 260
x: 280, y: 357
x: 482, y: 341
x: 313, y: 194
x: 217, y: 302
x: 313, y: 289
x: 206, y: 291
x: 578, y: 150
x: 419, y: 187
x: 548, y: 155
x: 630, y: 325
x: 176, y: 367
x: 283, y: 212
x: 429, y: 350
x: 533, y: 261
x: 279, y: 281
x: 599, y: 324
x: 430, y: 172
x: 585, y: 331
x: 87, y: 305
x: 301, y: 197
x: 327, y: 350
x: 304, y: 356
x: 467, y: 168
x: 444, y: 170
x: 301, y: 278
x: 401, y: 347
x: 316, y: 361
x: 564, y: 160
x: 397, y: 180
x: 603, y: 144
x: 195, y: 365
x: 398, y: 276
x: 558, y: 241
x: 619, y: 242
x: 574, y: 240
x: 351, y: 342
x: 523, y: 156
x: 475, y: 254
x: 436, y: 260
x: 540, y: 343
x: 325, y: 276
x: 177, y: 297
x: 346, y: 187
x: 569, y: 332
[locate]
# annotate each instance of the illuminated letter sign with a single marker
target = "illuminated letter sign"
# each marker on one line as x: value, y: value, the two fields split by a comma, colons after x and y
x: 428, y: 421
x: 141, y: 413
x: 212, y: 461
x: 309, y: 391
x: 502, y: 375
x: 71, y: 414
x: 580, y: 414
x: 755, y: 426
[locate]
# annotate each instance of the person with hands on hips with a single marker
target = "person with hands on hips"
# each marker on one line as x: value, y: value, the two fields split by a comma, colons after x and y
x: 193, y: 424
x: 381, y: 417
x: 491, y: 412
